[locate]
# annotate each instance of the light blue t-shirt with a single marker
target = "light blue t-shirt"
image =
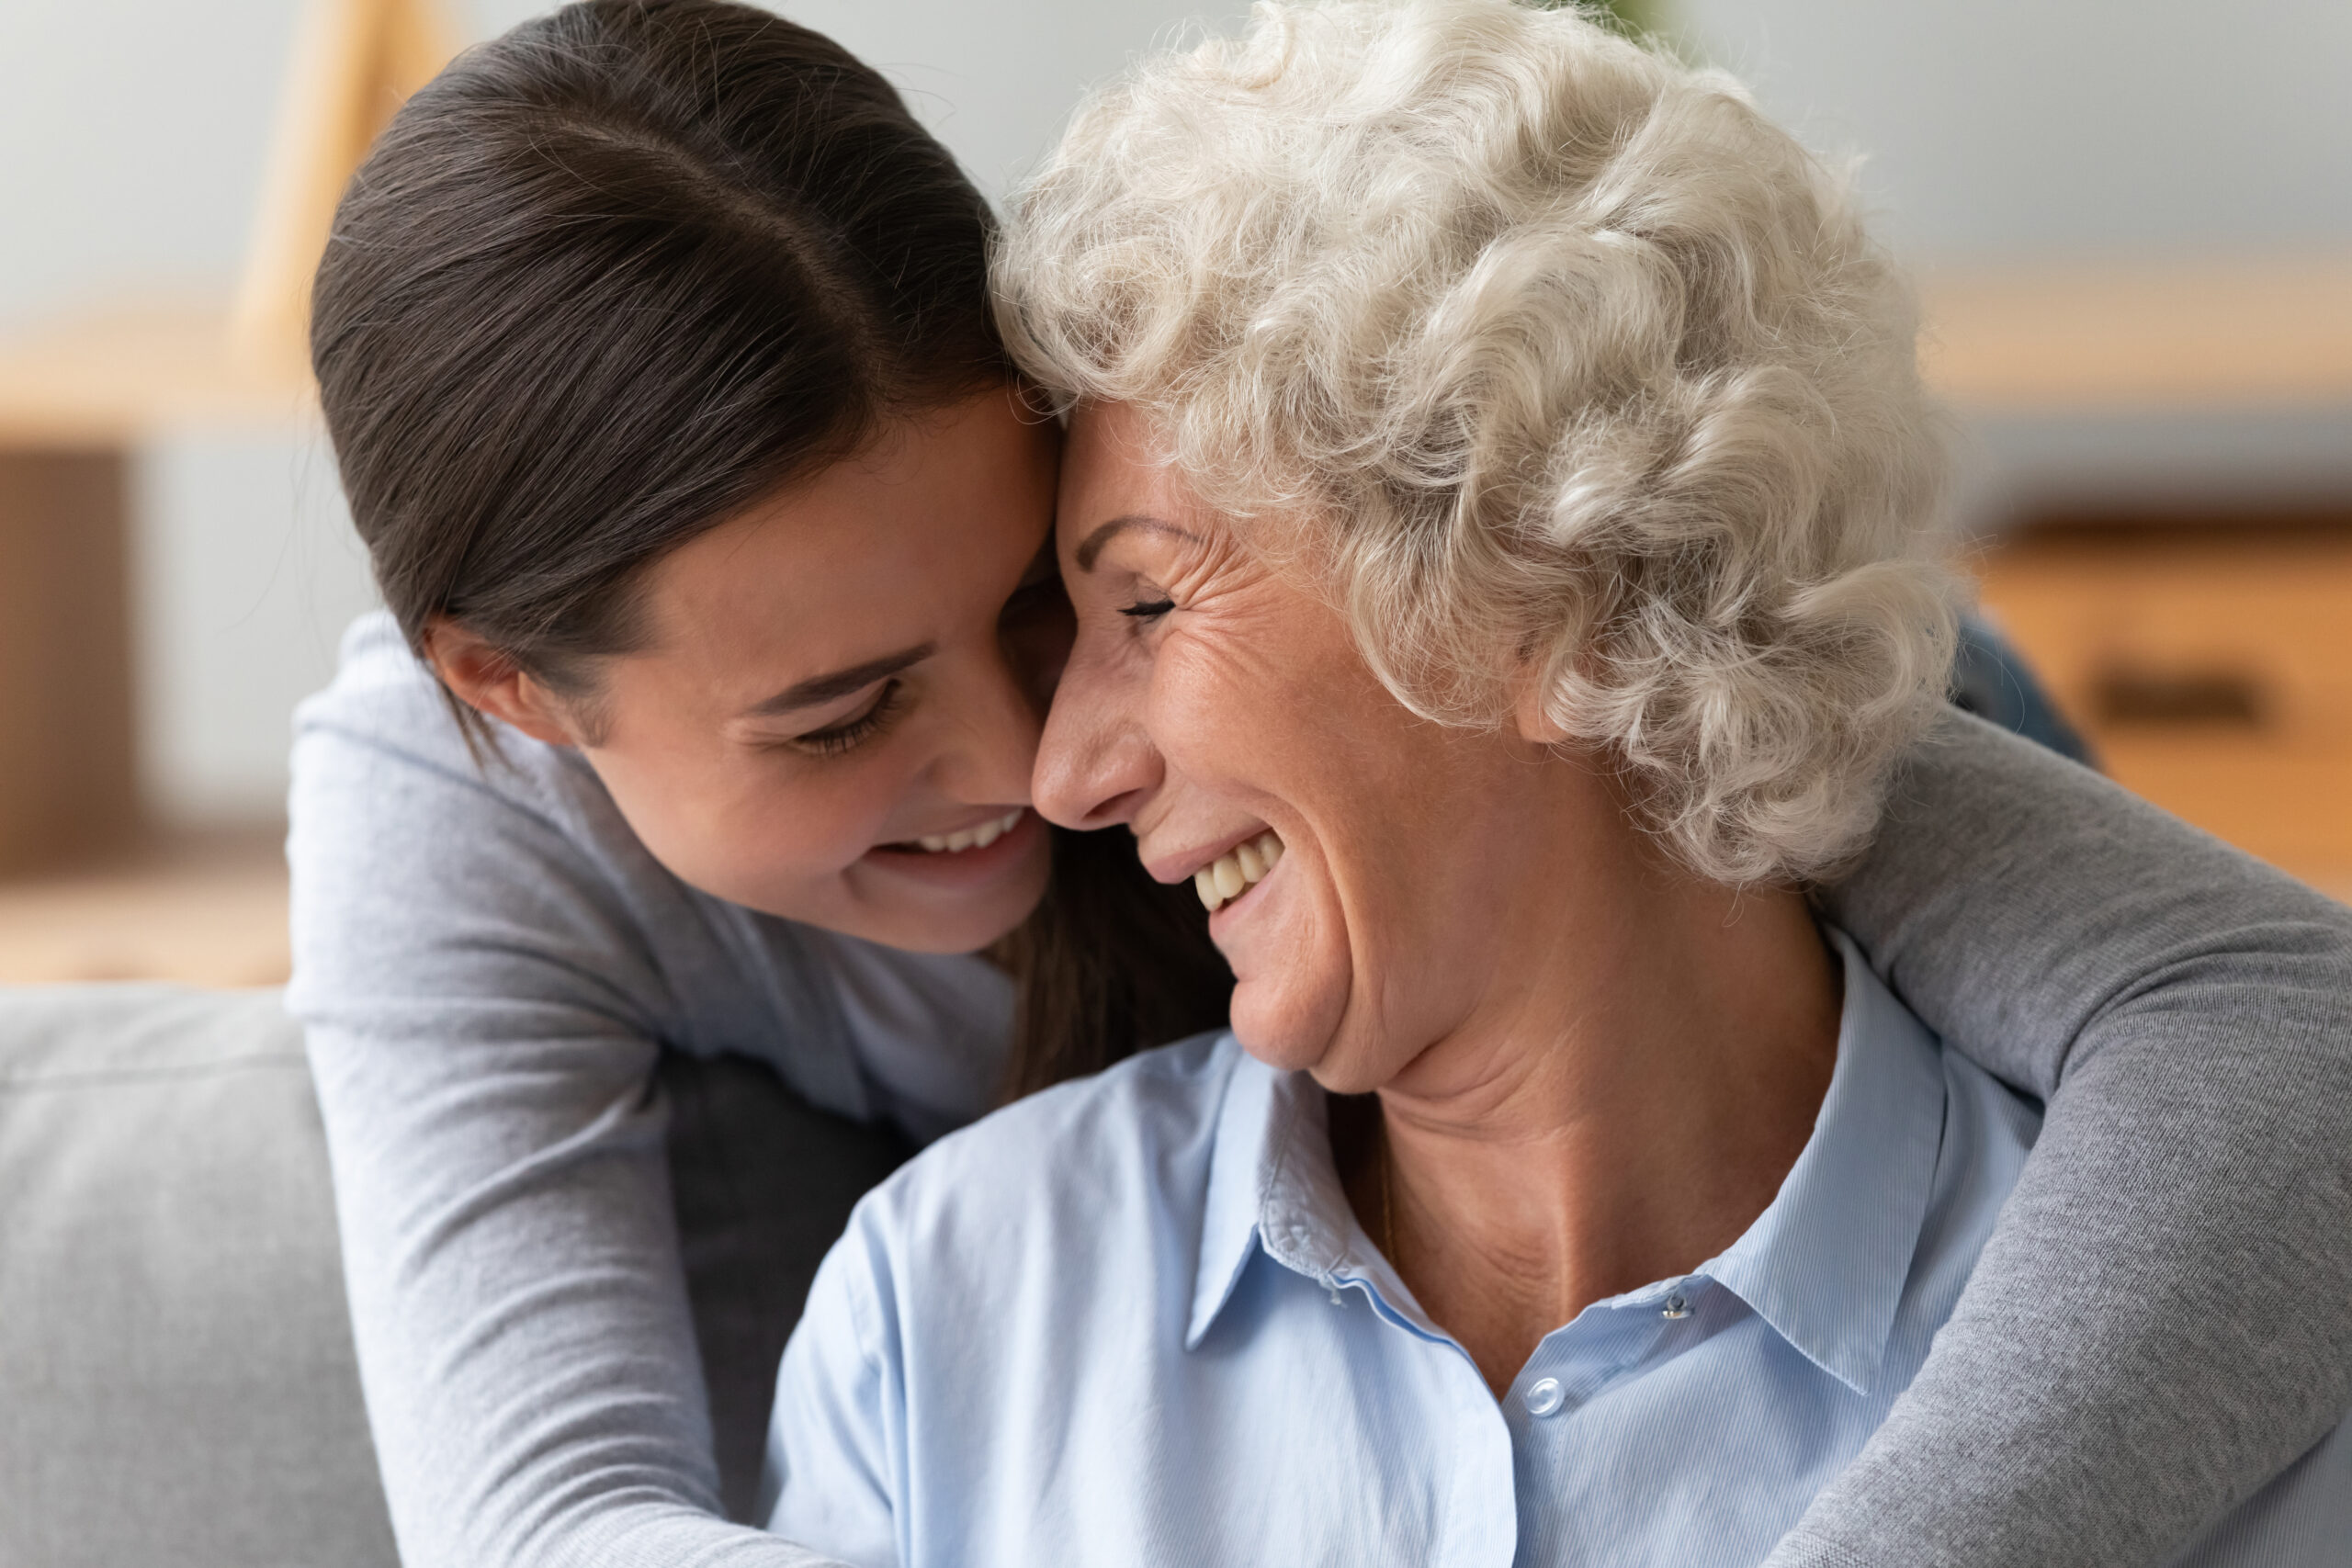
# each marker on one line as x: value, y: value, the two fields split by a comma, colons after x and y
x: 1133, y: 1320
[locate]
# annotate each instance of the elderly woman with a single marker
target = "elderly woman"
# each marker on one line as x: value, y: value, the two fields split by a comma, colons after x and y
x: 1496, y: 508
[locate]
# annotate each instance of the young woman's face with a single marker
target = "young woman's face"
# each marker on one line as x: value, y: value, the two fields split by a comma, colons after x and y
x: 835, y: 713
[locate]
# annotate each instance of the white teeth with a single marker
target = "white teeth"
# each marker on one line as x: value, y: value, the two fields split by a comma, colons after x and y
x: 1221, y: 880
x: 1227, y: 876
x: 978, y: 837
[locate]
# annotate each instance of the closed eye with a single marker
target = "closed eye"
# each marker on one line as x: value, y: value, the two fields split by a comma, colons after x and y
x: 1148, y: 610
x: 834, y: 740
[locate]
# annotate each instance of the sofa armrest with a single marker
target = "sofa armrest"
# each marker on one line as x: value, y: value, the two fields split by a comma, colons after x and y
x: 177, y: 1383
x: 176, y: 1377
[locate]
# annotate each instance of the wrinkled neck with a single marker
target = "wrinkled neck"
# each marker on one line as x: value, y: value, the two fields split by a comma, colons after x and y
x: 1648, y: 1068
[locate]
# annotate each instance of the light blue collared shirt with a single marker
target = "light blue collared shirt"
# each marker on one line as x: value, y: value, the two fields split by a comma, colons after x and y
x: 1133, y: 1320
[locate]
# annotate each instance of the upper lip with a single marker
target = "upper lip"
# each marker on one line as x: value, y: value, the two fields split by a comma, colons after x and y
x: 1179, y: 866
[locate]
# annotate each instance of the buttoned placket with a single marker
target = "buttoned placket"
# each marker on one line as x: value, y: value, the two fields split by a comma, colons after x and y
x: 1577, y: 1363
x: 1481, y: 1515
x: 1574, y: 1363
x: 1502, y: 1452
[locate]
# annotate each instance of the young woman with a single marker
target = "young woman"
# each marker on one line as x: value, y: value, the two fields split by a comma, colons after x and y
x: 655, y: 346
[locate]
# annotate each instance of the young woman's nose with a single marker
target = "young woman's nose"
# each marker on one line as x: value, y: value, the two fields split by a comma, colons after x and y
x: 996, y: 744
x: 1095, y: 764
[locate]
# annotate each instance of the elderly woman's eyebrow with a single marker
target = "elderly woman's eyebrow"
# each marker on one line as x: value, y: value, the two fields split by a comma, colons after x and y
x: 1092, y: 546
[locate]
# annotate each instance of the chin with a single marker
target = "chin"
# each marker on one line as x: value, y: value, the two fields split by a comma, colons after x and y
x: 932, y: 929
x: 925, y: 932
x: 1285, y: 1026
x: 972, y: 930
x: 908, y: 918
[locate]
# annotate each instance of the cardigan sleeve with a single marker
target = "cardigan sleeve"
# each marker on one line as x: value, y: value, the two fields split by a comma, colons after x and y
x: 2163, y: 1319
x: 484, y: 1001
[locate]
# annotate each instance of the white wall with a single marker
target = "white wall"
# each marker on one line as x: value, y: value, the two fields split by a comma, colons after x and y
x: 247, y: 573
x: 133, y: 134
x: 995, y: 78
x: 1998, y: 128
x: 2007, y: 130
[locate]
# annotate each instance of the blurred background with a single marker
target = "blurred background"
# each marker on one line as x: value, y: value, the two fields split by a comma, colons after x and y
x: 2132, y: 220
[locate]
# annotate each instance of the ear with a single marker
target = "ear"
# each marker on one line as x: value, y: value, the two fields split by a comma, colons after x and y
x: 488, y: 681
x: 1528, y: 716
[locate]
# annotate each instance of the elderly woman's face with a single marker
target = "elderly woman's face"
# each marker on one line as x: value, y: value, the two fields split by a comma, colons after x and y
x: 1212, y: 699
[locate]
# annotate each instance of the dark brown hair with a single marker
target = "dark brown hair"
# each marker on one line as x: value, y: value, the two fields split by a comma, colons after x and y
x: 1110, y: 962
x: 618, y: 274
x: 612, y: 277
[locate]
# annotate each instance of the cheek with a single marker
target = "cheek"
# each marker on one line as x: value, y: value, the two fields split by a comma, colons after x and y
x: 1228, y: 717
x: 1242, y: 737
x: 1372, y: 933
x: 742, y: 828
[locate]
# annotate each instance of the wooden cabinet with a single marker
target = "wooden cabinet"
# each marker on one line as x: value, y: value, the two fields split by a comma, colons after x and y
x: 67, y: 786
x: 2209, y: 661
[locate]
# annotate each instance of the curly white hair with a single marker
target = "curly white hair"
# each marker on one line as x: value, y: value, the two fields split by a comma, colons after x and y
x: 1561, y: 361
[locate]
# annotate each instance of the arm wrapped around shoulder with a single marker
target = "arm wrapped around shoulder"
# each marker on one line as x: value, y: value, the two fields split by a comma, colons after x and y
x: 2163, y: 1319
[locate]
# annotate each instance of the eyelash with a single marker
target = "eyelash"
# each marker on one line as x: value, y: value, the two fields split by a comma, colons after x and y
x: 1149, y: 610
x: 847, y: 734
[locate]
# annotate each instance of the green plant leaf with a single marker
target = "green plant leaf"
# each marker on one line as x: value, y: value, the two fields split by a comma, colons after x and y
x: 1634, y: 18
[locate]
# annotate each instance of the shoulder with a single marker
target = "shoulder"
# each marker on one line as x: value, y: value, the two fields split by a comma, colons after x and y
x: 1061, y: 1232
x: 1990, y: 1127
x: 384, y: 722
x: 1133, y: 1121
x: 1986, y: 1133
x: 1097, y: 1166
x: 491, y: 886
x: 398, y: 838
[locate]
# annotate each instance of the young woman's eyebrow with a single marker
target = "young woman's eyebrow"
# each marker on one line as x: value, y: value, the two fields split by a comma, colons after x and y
x: 819, y: 689
x: 1092, y: 546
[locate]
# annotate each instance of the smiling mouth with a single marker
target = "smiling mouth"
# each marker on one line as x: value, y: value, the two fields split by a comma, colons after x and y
x: 954, y: 843
x: 1237, y: 871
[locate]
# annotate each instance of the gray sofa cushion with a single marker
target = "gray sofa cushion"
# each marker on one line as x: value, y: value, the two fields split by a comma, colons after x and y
x: 176, y: 1381
x: 176, y: 1377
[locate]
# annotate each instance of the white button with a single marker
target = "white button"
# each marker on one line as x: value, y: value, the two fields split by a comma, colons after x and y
x: 1544, y: 1396
x: 1676, y: 1306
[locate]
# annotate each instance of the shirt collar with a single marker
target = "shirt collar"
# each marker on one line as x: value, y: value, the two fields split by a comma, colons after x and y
x: 1272, y: 1183
x: 1824, y: 1265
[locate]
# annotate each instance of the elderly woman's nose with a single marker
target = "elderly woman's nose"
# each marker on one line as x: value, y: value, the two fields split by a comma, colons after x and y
x: 1095, y: 766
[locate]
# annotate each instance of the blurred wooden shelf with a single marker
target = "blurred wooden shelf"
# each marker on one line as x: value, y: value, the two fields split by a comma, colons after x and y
x: 209, y: 911
x: 78, y: 403
x: 2253, y: 331
x: 113, y: 380
x: 80, y: 397
x: 2210, y: 666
